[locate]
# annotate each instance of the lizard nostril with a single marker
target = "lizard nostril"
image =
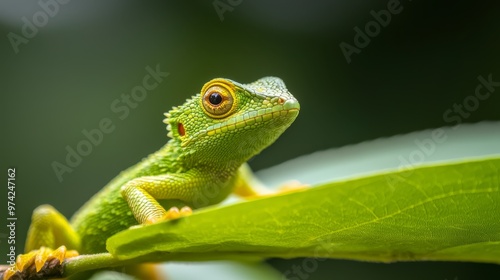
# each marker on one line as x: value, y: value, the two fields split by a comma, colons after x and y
x: 281, y: 100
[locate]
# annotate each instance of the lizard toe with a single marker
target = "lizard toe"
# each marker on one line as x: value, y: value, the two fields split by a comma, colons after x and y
x: 186, y: 211
x: 173, y: 213
x: 9, y: 273
x: 39, y: 258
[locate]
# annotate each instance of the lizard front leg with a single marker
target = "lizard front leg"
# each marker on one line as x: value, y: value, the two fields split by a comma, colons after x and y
x: 142, y: 194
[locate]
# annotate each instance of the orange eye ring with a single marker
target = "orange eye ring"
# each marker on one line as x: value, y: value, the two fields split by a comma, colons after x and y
x: 218, y: 99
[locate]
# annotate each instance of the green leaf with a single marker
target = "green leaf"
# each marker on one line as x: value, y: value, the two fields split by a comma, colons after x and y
x: 428, y: 195
x: 446, y: 211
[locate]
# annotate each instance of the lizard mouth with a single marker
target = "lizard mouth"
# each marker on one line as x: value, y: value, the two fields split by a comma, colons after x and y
x: 289, y: 108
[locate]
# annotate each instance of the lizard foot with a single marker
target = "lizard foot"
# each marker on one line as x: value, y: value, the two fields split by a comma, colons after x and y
x: 39, y: 258
x: 172, y: 214
x: 292, y: 186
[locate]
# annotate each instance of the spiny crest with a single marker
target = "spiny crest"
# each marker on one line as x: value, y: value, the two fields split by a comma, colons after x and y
x: 172, y: 115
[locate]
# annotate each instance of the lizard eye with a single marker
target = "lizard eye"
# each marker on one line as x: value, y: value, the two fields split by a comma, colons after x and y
x: 217, y: 100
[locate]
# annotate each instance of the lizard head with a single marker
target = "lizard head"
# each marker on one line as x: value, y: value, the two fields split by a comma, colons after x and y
x: 232, y: 122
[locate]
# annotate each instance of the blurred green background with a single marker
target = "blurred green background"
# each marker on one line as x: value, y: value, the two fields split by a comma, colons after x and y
x: 87, y: 54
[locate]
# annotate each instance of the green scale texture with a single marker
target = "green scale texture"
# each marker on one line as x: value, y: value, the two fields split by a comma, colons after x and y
x: 207, y: 156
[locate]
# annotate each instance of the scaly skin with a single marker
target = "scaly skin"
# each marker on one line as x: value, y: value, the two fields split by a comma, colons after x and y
x: 212, y: 135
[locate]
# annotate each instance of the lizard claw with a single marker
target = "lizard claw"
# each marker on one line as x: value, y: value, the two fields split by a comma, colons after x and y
x: 172, y: 214
x: 39, y: 258
x: 45, y: 254
x: 9, y: 273
x: 175, y: 213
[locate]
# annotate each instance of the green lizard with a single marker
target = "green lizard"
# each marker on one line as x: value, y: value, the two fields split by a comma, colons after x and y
x: 212, y: 134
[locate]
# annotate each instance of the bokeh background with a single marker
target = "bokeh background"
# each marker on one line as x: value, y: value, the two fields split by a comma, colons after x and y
x: 65, y: 77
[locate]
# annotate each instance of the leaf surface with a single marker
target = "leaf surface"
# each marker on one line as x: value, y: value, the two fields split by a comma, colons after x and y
x: 444, y: 211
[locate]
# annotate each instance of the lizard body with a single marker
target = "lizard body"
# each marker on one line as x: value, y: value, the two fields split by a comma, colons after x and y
x: 212, y: 134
